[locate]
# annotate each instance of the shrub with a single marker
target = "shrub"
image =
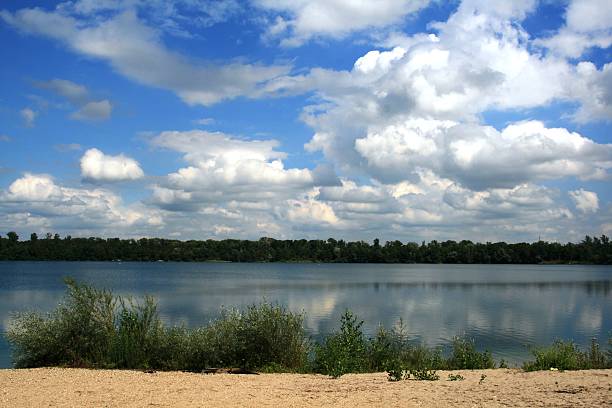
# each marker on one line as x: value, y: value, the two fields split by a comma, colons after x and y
x: 391, y: 351
x: 138, y: 334
x: 343, y: 352
x: 94, y: 328
x: 423, y: 374
x: 464, y: 356
x: 78, y: 333
x: 565, y: 355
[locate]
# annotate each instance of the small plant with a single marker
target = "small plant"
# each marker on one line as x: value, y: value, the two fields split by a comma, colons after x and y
x: 482, y: 378
x: 503, y: 364
x: 455, y: 377
x: 465, y: 356
x: 423, y: 374
x: 343, y: 352
x: 561, y: 355
x: 397, y: 374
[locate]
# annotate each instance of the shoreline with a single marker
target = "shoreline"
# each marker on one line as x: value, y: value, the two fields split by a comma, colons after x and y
x: 68, y: 387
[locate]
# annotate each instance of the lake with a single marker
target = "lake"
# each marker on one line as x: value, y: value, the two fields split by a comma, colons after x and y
x: 505, y: 308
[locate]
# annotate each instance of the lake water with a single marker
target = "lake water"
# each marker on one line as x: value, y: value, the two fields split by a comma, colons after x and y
x: 505, y: 308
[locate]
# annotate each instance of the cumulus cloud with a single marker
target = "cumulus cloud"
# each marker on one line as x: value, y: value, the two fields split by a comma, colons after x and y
x: 99, y: 167
x: 404, y: 128
x: 310, y: 211
x: 94, y: 111
x: 594, y: 88
x: 37, y: 197
x: 434, y: 207
x: 588, y: 24
x: 585, y: 201
x: 28, y: 116
x: 136, y: 51
x: 300, y: 21
x: 481, y: 157
x: 479, y: 60
x: 222, y: 167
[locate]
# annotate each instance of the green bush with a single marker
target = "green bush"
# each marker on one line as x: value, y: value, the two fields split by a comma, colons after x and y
x: 78, y: 333
x: 343, y: 352
x: 423, y: 374
x: 94, y: 328
x: 262, y: 335
x: 565, y: 355
x: 464, y: 356
x: 137, y: 335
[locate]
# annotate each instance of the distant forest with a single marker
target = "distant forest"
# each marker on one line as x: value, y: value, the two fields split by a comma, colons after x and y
x: 54, y: 248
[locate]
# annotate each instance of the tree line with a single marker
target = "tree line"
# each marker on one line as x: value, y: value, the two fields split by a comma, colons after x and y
x: 591, y: 250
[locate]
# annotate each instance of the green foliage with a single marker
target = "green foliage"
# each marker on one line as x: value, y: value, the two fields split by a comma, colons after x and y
x: 455, y: 377
x: 78, y: 333
x: 465, y: 356
x: 94, y: 328
x: 482, y: 378
x: 262, y: 335
x: 423, y: 374
x: 503, y: 364
x: 565, y: 355
x: 137, y: 335
x: 595, y: 250
x: 343, y: 352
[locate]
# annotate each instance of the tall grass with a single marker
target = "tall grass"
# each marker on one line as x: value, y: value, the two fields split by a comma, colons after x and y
x: 94, y: 328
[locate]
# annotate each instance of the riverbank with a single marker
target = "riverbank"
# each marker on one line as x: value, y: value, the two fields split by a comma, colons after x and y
x: 61, y: 387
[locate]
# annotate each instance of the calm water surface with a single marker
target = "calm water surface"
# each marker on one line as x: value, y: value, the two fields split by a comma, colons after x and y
x: 505, y: 308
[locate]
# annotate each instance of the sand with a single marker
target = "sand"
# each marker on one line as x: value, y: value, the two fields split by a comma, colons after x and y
x: 55, y: 387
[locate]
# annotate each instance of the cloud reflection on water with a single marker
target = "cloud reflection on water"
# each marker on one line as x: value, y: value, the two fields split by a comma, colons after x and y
x: 501, y: 308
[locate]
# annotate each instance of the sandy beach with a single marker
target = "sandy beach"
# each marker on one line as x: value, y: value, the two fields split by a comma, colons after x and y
x: 57, y: 387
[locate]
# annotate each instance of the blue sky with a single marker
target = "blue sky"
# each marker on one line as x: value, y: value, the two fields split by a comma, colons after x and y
x: 400, y: 119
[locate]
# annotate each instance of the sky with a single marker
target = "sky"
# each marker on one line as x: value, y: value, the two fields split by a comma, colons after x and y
x: 412, y: 120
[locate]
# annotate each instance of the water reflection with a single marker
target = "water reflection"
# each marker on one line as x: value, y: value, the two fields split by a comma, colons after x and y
x: 505, y: 308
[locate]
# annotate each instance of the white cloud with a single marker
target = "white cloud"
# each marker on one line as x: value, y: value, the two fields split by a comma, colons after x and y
x: 594, y: 89
x: 75, y: 93
x: 99, y: 167
x: 585, y: 201
x: 136, y: 51
x: 79, y: 96
x: 28, y: 116
x: 33, y: 187
x: 588, y: 24
x: 310, y: 211
x: 222, y: 168
x: 479, y: 60
x: 480, y: 157
x: 305, y: 20
x: 5, y: 138
x: 37, y: 200
x: 175, y: 17
x: 204, y: 121
x: 94, y: 111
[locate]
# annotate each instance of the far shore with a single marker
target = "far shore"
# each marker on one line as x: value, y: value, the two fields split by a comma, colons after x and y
x: 63, y: 387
